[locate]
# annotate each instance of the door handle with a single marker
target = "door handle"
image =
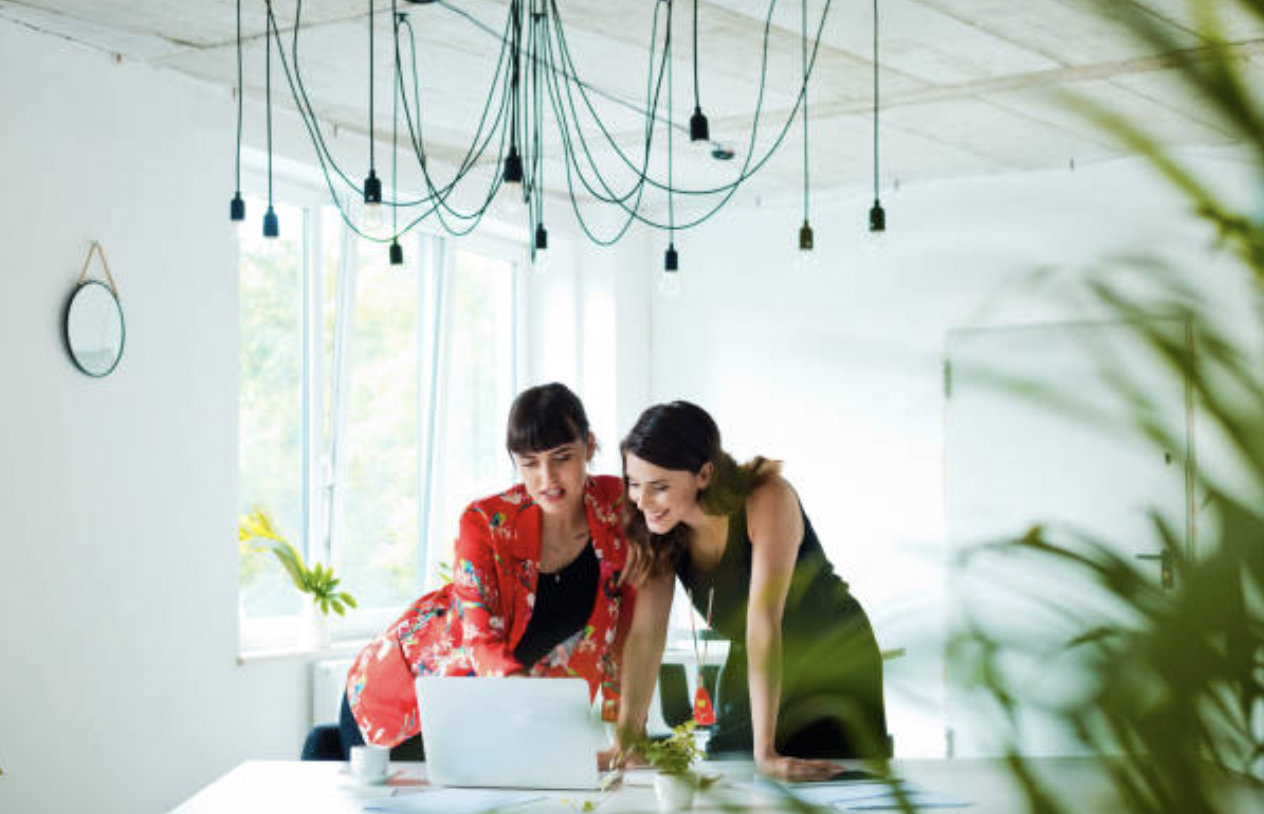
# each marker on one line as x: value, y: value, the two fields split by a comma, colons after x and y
x: 1164, y: 558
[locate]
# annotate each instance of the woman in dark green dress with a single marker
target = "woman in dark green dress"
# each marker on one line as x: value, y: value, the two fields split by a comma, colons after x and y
x: 803, y: 678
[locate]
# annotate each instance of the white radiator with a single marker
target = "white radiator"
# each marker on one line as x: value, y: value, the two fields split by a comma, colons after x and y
x: 329, y: 678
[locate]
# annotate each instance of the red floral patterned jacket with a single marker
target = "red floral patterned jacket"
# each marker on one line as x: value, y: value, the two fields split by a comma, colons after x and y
x: 472, y: 625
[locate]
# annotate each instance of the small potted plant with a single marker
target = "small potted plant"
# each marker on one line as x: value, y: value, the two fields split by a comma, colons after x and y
x: 674, y: 758
x: 317, y: 581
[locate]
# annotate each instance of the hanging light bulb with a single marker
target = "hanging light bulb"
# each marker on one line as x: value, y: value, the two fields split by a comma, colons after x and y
x: 373, y: 216
x: 541, y: 257
x: 877, y: 215
x: 271, y: 227
x: 237, y: 214
x: 237, y: 207
x: 805, y: 259
x: 397, y: 253
x: 669, y: 279
x: 699, y: 131
x: 876, y: 241
x: 877, y: 219
x: 511, y: 176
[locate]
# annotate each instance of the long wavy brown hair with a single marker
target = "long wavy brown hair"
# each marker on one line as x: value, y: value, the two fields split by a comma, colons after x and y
x: 682, y: 436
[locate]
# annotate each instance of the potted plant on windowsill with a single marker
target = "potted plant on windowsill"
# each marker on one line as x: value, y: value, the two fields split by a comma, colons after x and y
x: 674, y: 757
x: 317, y: 581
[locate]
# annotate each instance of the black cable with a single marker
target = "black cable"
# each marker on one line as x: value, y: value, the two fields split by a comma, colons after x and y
x: 727, y: 191
x: 696, y: 95
x: 395, y: 122
x: 803, y: 53
x: 239, y: 98
x: 875, y: 100
x: 325, y: 158
x: 267, y: 41
x: 563, y: 84
x: 653, y: 90
x: 538, y: 32
x: 671, y: 201
x: 372, y: 151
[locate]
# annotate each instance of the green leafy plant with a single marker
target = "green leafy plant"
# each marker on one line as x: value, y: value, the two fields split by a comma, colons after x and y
x: 257, y: 531
x: 675, y: 754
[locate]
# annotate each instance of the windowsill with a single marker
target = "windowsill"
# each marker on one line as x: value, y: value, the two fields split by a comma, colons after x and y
x: 339, y: 649
x: 274, y: 639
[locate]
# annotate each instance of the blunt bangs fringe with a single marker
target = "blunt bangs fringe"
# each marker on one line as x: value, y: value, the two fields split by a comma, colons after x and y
x: 545, y: 417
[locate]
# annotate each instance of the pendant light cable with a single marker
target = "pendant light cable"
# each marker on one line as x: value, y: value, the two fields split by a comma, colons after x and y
x: 372, y: 151
x: 877, y: 215
x: 696, y: 95
x: 271, y: 228
x: 398, y: 89
x: 803, y: 52
x: 875, y: 101
x: 269, y: 25
x: 239, y: 99
x: 671, y: 206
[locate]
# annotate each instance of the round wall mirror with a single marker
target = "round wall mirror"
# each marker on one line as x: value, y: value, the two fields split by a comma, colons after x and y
x: 94, y: 328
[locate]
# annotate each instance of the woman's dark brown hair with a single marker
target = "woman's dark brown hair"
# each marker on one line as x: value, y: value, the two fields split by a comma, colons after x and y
x: 545, y: 417
x: 682, y: 436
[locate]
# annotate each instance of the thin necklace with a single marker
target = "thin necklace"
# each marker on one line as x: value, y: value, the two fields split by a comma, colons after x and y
x: 557, y: 575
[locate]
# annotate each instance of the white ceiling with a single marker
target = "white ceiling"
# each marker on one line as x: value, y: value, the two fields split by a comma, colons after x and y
x: 968, y: 86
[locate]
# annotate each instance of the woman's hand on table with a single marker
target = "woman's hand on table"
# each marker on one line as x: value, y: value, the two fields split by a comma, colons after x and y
x: 617, y: 758
x: 798, y: 770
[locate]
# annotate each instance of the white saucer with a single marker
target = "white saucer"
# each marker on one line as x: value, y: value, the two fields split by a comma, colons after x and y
x: 353, y: 780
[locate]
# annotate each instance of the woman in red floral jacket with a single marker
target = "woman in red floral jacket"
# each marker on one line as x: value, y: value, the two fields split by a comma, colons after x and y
x: 536, y: 581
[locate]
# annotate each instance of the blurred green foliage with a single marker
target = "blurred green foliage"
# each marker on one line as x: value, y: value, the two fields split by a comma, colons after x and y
x: 1172, y: 686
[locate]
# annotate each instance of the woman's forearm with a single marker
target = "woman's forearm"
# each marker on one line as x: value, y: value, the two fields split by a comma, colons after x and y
x: 763, y: 648
x: 642, y: 654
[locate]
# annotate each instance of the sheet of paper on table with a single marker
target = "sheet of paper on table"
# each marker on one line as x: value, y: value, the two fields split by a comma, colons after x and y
x: 859, y: 795
x: 451, y: 801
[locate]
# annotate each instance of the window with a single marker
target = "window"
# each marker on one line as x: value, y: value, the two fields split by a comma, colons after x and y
x: 373, y: 401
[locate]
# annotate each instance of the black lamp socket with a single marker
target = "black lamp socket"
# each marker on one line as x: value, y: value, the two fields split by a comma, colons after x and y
x: 671, y: 260
x: 237, y: 209
x: 699, y: 129
x: 397, y: 254
x: 513, y: 167
x: 271, y: 227
x: 877, y: 218
x: 806, y: 243
x: 372, y: 189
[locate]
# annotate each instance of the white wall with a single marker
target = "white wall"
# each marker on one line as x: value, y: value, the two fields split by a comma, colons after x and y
x: 589, y: 325
x: 119, y: 689
x: 837, y: 371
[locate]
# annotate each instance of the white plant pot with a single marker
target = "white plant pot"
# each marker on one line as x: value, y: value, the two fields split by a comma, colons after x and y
x: 674, y: 791
x: 313, y: 628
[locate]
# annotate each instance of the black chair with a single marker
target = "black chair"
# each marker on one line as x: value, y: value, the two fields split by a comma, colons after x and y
x: 334, y: 741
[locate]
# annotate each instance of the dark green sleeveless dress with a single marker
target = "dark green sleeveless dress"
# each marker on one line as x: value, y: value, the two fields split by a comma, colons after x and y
x: 831, y: 680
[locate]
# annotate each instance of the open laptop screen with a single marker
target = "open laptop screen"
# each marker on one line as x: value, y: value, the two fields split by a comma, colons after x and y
x: 539, y: 733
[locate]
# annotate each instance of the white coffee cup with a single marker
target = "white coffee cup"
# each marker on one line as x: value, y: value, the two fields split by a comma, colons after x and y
x: 368, y: 763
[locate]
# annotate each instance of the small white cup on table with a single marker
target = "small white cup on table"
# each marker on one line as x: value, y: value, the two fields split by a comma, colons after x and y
x: 368, y: 763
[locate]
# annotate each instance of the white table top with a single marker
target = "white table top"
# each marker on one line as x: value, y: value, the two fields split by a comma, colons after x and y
x: 259, y: 787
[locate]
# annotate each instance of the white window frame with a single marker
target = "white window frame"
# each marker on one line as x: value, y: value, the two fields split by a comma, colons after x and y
x: 321, y: 463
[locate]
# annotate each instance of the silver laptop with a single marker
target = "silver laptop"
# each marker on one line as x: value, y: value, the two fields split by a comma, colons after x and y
x: 537, y: 733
